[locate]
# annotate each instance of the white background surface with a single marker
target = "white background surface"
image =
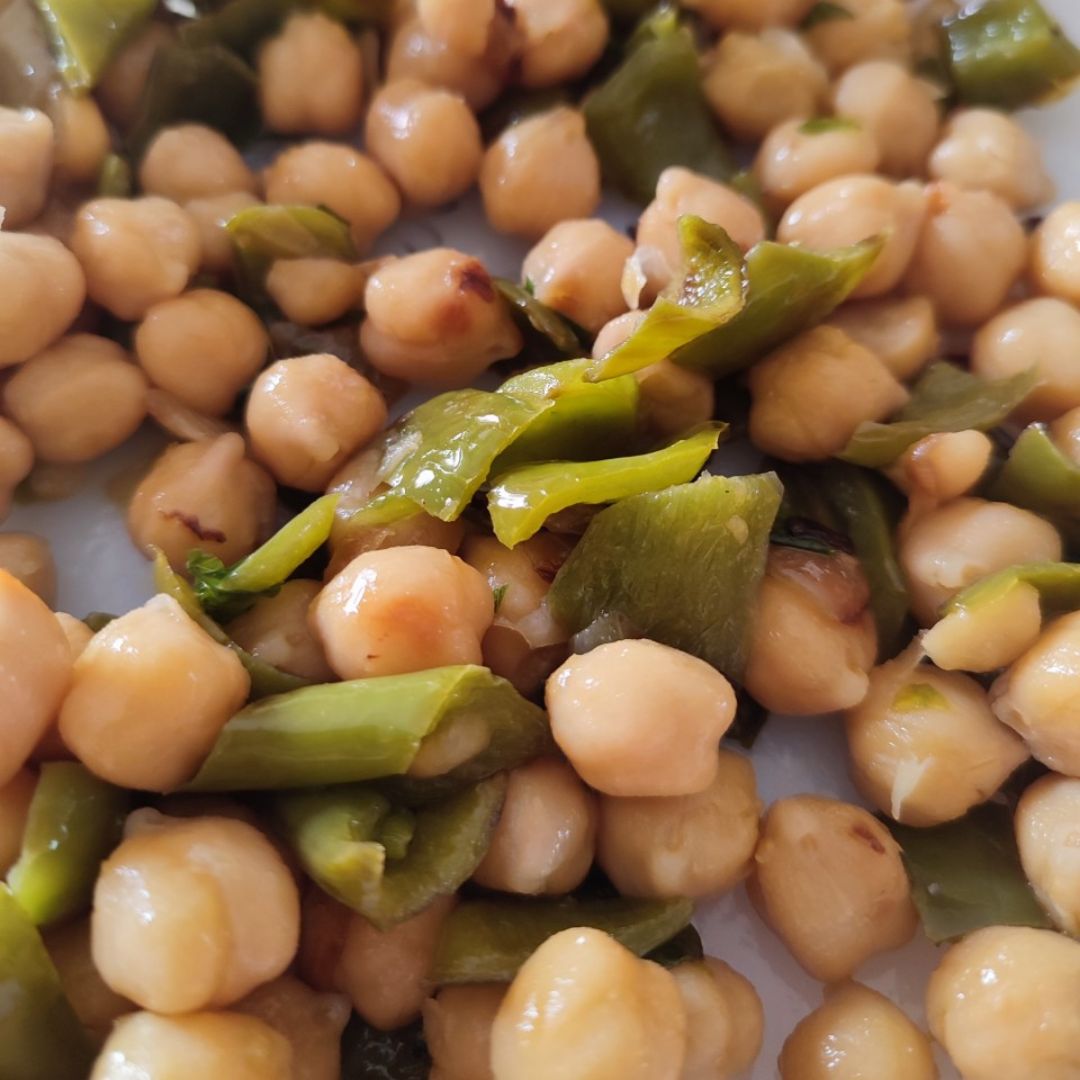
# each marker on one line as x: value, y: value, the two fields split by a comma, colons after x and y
x: 100, y: 570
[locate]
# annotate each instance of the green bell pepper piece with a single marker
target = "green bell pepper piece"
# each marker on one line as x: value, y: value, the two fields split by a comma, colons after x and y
x: 540, y: 318
x: 651, y: 112
x: 522, y: 500
x: 114, y: 179
x: 682, y: 565
x: 335, y: 836
x: 239, y: 25
x: 340, y: 733
x: 74, y: 822
x: 488, y: 940
x: 40, y: 1037
x: 1008, y: 53
x: 685, y: 947
x: 945, y: 398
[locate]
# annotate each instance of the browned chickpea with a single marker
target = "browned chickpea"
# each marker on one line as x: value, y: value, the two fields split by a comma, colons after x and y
x: 211, y: 215
x: 26, y: 161
x: 192, y: 161
x: 560, y: 39
x: 27, y: 556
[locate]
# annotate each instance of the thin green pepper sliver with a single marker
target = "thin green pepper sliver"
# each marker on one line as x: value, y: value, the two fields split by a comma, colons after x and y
x: 40, y: 1037
x: 74, y: 822
x: 542, y: 319
x: 521, y: 501
x: 488, y: 940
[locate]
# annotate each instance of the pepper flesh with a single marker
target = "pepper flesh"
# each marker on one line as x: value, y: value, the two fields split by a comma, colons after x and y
x: 539, y: 318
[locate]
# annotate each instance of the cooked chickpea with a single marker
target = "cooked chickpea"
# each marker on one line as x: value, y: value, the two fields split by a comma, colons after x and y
x: 751, y: 14
x: 902, y: 332
x: 15, y: 796
x: 673, y: 398
x: 457, y: 1030
x: 724, y: 1020
x: 26, y: 161
x: 27, y: 557
x: 968, y: 236
x: 683, y: 845
x: 811, y: 394
x: 797, y: 156
x: 1034, y: 696
x: 148, y: 697
x: 829, y: 880
x: 16, y: 461
x: 426, y: 138
x: 853, y: 208
x: 135, y: 252
x: 191, y: 913
x: 78, y: 399
x: 311, y: 77
x: 402, y: 609
x: 541, y: 170
x: 986, y: 150
x: 1055, y: 253
x: 876, y: 30
x: 209, y: 1045
x: 35, y: 672
x: 856, y: 1033
x: 899, y: 111
x: 639, y: 718
x: 341, y: 179
x: 1001, y: 1004
x: 436, y: 317
x: 583, y: 1005
x: 463, y: 25
x: 942, y: 466
x: 96, y: 1005
x: 42, y: 288
x: 204, y: 495
x: 755, y: 81
x: 211, y: 215
x: 1065, y: 432
x: 192, y: 161
x: 957, y: 544
x: 560, y: 39
x: 544, y: 841
x: 308, y: 415
x: 121, y: 88
x: 82, y: 138
x: 1047, y: 832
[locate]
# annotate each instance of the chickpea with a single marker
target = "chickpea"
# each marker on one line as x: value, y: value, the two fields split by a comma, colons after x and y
x: 204, y: 495
x: 27, y: 557
x: 16, y: 461
x: 211, y: 215
x: 95, y: 1004
x: 942, y: 466
x: 348, y: 540
x: 435, y: 317
x: 725, y: 1020
x: 577, y: 270
x: 811, y: 394
x: 541, y: 170
x: 341, y: 179
x: 901, y: 332
x: 751, y: 15
x: 209, y: 1045
x: 426, y: 138
x: 561, y: 39
x: 192, y: 161
x: 986, y: 150
x: 275, y: 629
x: 957, y: 544
x: 582, y: 1005
x: 755, y: 81
x: 683, y: 845
x: 148, y: 697
x: 1047, y: 823
x: 82, y: 138
x: 457, y: 1030
x: 15, y: 796
x: 899, y: 110
x: 121, y: 87
x: 78, y: 399
x: 795, y: 157
x: 78, y: 634
x: 829, y: 881
x: 853, y: 208
x: 1055, y: 253
x: 26, y: 161
x: 135, y: 252
x: 673, y: 398
x: 42, y: 289
x: 35, y: 671
x: 463, y: 25
x: 856, y: 1033
x: 612, y: 334
x: 877, y: 30
x: 1065, y: 432
x: 605, y: 708
x: 1001, y: 1004
x: 969, y: 236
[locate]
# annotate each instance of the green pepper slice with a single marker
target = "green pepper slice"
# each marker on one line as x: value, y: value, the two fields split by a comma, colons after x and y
x: 540, y: 318
x: 115, y: 180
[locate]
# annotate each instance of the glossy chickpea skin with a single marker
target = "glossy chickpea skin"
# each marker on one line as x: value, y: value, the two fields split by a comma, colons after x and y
x: 583, y: 1005
x: 751, y: 15
x: 941, y: 467
x: 313, y: 291
x: 639, y: 718
x: 685, y: 845
x: 1055, y: 254
x: 135, y: 252
x: 856, y: 1033
x: 457, y: 1029
x: 28, y: 558
x: 436, y: 318
x: 211, y: 215
x: 1065, y: 431
x: 876, y: 30
x: 204, y: 494
x: 902, y: 332
x: 1000, y: 1003
x: 26, y: 160
x: 1047, y: 832
x: 192, y: 913
x: 541, y: 170
x: 16, y: 461
x: 148, y: 697
x: 400, y: 610
x: 82, y: 138
x: 15, y: 796
x: 560, y: 39
x: 191, y: 161
x: 311, y: 77
x: 462, y: 25
x: 829, y: 880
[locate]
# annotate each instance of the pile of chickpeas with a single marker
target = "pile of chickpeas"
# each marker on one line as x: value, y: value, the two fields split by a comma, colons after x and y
x: 207, y: 954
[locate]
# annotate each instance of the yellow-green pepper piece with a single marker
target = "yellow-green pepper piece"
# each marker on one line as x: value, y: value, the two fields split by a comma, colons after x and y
x: 540, y: 318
